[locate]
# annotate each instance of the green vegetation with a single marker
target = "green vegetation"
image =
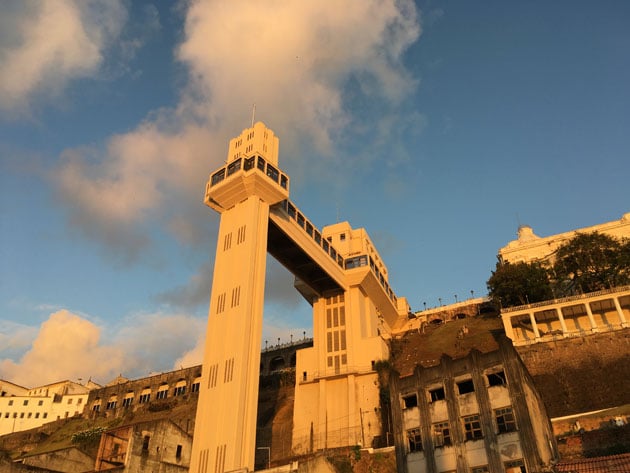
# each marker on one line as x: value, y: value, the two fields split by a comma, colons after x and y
x: 588, y: 262
x: 519, y: 283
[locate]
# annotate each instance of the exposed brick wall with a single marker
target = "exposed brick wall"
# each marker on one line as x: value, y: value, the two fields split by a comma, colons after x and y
x: 581, y: 374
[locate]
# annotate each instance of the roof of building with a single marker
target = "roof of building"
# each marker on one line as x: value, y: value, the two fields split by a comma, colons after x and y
x: 426, y: 346
x: 609, y: 464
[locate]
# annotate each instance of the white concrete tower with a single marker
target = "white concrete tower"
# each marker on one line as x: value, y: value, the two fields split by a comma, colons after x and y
x: 242, y: 192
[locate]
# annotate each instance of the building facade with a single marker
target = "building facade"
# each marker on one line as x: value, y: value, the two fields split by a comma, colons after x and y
x: 529, y: 247
x: 30, y: 408
x: 479, y: 413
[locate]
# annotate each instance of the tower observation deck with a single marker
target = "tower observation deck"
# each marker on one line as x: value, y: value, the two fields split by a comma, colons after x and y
x: 337, y: 270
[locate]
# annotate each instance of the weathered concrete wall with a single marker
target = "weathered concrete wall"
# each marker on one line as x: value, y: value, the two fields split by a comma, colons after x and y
x: 580, y: 374
x: 70, y: 460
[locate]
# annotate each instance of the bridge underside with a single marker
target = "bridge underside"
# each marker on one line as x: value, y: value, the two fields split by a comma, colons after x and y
x: 313, y: 280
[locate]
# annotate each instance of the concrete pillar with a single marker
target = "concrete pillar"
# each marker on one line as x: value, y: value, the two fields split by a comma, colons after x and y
x: 622, y: 316
x: 322, y: 440
x: 561, y: 319
x: 534, y: 325
x: 507, y: 326
x: 591, y: 319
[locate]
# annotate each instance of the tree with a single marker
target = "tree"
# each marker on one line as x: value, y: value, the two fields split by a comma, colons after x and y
x: 519, y: 283
x: 591, y: 262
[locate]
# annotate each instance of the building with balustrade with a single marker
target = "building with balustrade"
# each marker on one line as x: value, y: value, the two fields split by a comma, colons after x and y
x: 574, y: 316
x: 530, y: 247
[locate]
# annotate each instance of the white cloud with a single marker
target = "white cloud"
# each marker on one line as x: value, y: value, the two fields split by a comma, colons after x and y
x: 293, y: 60
x: 15, y: 337
x: 47, y: 43
x: 68, y: 346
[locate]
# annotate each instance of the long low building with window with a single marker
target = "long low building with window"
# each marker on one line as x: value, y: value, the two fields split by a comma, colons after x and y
x: 153, y: 392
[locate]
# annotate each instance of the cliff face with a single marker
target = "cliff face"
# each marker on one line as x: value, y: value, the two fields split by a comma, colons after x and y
x: 581, y: 374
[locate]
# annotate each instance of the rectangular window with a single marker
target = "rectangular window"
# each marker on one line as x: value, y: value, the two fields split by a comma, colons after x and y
x: 466, y: 386
x: 505, y: 420
x: 178, y: 452
x: 261, y: 163
x: 442, y: 434
x: 179, y: 391
x: 233, y: 167
x: 111, y: 405
x: 496, y: 379
x: 472, y: 427
x: 37, y: 415
x: 45, y: 414
x: 479, y: 469
x: 291, y: 210
x: 194, y: 388
x: 436, y: 394
x: 301, y: 221
x: 25, y: 403
x: 144, y: 398
x: 249, y: 163
x: 217, y: 177
x: 40, y: 403
x: 515, y: 466
x: 11, y: 402
x: 410, y: 400
x: 128, y: 401
x: 272, y: 173
x: 163, y: 394
x: 414, y: 439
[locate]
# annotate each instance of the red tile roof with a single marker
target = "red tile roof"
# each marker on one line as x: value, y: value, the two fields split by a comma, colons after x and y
x: 610, y: 464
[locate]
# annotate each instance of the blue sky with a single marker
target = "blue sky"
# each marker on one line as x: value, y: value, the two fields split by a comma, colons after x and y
x: 437, y: 126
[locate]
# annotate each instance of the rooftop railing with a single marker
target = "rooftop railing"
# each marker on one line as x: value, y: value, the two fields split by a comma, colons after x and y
x: 256, y: 163
x: 348, y: 263
x: 561, y: 300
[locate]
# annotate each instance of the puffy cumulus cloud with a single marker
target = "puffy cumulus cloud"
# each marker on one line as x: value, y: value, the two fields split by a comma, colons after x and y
x: 194, y: 356
x: 295, y: 61
x: 15, y: 337
x: 68, y: 346
x: 153, y: 341
x: 107, y: 194
x: 44, y: 44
